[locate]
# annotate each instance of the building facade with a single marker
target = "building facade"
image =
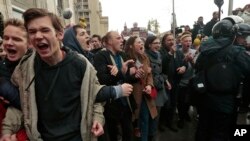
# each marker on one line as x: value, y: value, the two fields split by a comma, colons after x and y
x: 91, y: 10
x: 134, y: 31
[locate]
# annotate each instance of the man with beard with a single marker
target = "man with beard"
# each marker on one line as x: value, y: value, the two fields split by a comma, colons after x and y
x: 173, y: 66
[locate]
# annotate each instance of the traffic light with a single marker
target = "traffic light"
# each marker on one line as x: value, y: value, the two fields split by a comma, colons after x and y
x: 1, y: 25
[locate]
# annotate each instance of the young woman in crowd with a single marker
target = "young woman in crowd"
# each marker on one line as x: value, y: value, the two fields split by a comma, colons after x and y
x: 146, y: 111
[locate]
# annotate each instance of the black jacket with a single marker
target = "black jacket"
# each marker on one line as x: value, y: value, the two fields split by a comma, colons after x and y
x: 208, y: 27
x: 7, y: 89
x: 170, y: 63
x: 113, y: 108
x: 241, y: 61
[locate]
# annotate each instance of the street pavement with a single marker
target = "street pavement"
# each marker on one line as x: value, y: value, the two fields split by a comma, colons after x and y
x: 187, y: 133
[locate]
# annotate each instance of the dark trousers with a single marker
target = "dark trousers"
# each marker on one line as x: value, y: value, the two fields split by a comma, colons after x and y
x: 183, y: 102
x: 214, y: 126
x: 245, y: 92
x: 168, y: 111
x: 122, y: 124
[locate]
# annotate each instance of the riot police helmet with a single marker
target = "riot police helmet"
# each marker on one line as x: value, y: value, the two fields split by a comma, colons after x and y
x: 225, y: 27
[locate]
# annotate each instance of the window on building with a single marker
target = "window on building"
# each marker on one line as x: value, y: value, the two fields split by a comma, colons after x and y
x: 86, y: 13
x: 86, y: 7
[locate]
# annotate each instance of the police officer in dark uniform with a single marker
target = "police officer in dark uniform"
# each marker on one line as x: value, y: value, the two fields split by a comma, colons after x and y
x: 243, y: 34
x: 217, y: 106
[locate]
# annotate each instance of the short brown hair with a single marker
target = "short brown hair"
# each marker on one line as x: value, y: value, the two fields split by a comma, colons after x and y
x: 34, y: 13
x: 75, y: 27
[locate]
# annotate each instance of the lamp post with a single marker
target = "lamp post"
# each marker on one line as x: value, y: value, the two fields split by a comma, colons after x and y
x: 230, y: 7
x: 174, y: 20
x: 219, y: 3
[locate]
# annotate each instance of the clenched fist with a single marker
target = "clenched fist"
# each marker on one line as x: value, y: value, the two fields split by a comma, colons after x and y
x: 126, y: 89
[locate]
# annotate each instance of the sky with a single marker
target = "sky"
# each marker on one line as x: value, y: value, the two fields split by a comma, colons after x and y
x: 141, y: 11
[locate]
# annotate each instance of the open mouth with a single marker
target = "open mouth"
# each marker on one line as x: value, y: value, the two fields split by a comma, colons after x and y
x: 42, y: 46
x: 11, y: 51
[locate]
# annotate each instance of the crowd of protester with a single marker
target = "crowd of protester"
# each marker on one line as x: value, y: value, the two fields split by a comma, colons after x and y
x: 62, y: 84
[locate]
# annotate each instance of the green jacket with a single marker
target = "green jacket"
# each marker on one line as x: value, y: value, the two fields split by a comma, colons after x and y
x: 23, y: 75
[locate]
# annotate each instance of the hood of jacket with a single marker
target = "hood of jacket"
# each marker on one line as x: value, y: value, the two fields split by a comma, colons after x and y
x: 70, y: 41
x: 213, y: 45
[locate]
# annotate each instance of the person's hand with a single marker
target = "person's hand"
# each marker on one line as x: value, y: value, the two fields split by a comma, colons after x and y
x: 132, y: 70
x: 172, y: 49
x: 147, y: 89
x: 149, y: 69
x: 6, y: 137
x: 189, y: 58
x: 97, y: 129
x: 125, y: 65
x: 181, y: 70
x: 126, y: 89
x: 139, y: 73
x: 168, y: 85
x: 13, y: 137
x: 4, y: 100
x: 113, y: 70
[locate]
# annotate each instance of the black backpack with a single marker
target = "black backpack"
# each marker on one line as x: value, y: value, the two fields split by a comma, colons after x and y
x: 218, y: 73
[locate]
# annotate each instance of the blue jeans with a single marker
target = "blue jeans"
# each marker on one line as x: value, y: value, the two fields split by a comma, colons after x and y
x: 148, y: 125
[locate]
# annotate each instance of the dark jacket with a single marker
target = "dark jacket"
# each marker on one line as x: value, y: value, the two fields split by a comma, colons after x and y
x: 7, y: 89
x: 241, y: 60
x: 208, y: 27
x: 170, y: 63
x: 101, y: 61
x: 198, y: 29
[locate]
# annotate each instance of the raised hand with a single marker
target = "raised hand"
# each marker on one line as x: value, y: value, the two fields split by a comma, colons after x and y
x: 125, y: 65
